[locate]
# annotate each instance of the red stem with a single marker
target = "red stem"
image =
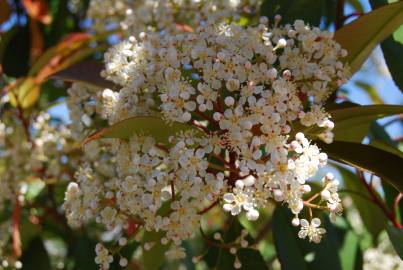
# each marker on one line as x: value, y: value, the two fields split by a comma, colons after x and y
x: 396, y: 205
x: 211, y: 206
x: 391, y: 216
x: 16, y: 236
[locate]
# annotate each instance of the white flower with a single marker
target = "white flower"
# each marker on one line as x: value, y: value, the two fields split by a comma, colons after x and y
x: 311, y: 230
x: 103, y: 258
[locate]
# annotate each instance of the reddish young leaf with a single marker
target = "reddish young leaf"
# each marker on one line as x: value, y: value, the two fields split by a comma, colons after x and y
x: 38, y: 10
x: 37, y: 43
x: 85, y: 72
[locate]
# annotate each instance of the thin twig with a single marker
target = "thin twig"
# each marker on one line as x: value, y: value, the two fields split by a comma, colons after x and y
x: 396, y: 205
x: 211, y: 242
x: 378, y: 201
x: 211, y: 206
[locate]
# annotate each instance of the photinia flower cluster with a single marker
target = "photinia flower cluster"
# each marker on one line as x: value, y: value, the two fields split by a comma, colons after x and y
x: 136, y: 16
x: 243, y: 91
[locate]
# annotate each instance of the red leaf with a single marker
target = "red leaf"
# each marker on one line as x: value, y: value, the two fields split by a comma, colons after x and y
x: 38, y: 10
x: 37, y: 43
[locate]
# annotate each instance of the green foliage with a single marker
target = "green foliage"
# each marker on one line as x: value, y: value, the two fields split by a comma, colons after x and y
x: 339, y: 241
x: 367, y: 158
x: 221, y: 258
x: 392, y: 48
x: 396, y: 237
x: 371, y: 215
x: 341, y: 248
x: 361, y: 36
x: 36, y: 256
x: 142, y: 125
x: 378, y: 133
x: 153, y: 258
x: 352, y: 124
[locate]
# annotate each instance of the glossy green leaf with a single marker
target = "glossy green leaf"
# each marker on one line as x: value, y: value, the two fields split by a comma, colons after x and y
x: 154, y: 258
x: 356, y: 4
x: 26, y: 91
x: 219, y: 258
x: 392, y: 49
x: 378, y: 133
x: 353, y: 124
x: 368, y: 158
x: 372, y: 216
x: 84, y: 253
x: 36, y: 256
x: 289, y: 254
x: 386, y: 147
x: 147, y: 125
x: 296, y: 253
x: 350, y: 253
x: 371, y: 91
x: 352, y: 121
x: 396, y: 237
x: 361, y: 36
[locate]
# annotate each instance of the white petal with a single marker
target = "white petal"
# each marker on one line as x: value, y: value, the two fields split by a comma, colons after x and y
x: 304, y: 223
x: 227, y: 207
x: 252, y: 215
x: 229, y: 197
x: 315, y: 222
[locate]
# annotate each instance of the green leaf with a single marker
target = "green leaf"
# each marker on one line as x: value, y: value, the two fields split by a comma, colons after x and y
x: 36, y: 256
x: 26, y: 91
x: 350, y: 253
x: 372, y: 216
x: 396, y: 237
x: 361, y: 36
x: 84, y: 253
x: 368, y: 158
x: 85, y: 72
x: 378, y: 133
x: 296, y: 253
x: 289, y: 254
x: 154, y: 258
x: 356, y: 4
x: 14, y: 51
x: 147, y: 125
x: 371, y: 91
x: 290, y: 10
x: 386, y: 147
x: 249, y: 258
x: 352, y: 124
x: 352, y: 121
x: 392, y: 49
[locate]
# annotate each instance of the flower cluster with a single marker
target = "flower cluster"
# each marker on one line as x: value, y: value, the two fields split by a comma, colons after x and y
x: 243, y: 90
x: 148, y: 180
x: 382, y: 257
x: 134, y: 17
x: 38, y: 151
x: 83, y: 101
